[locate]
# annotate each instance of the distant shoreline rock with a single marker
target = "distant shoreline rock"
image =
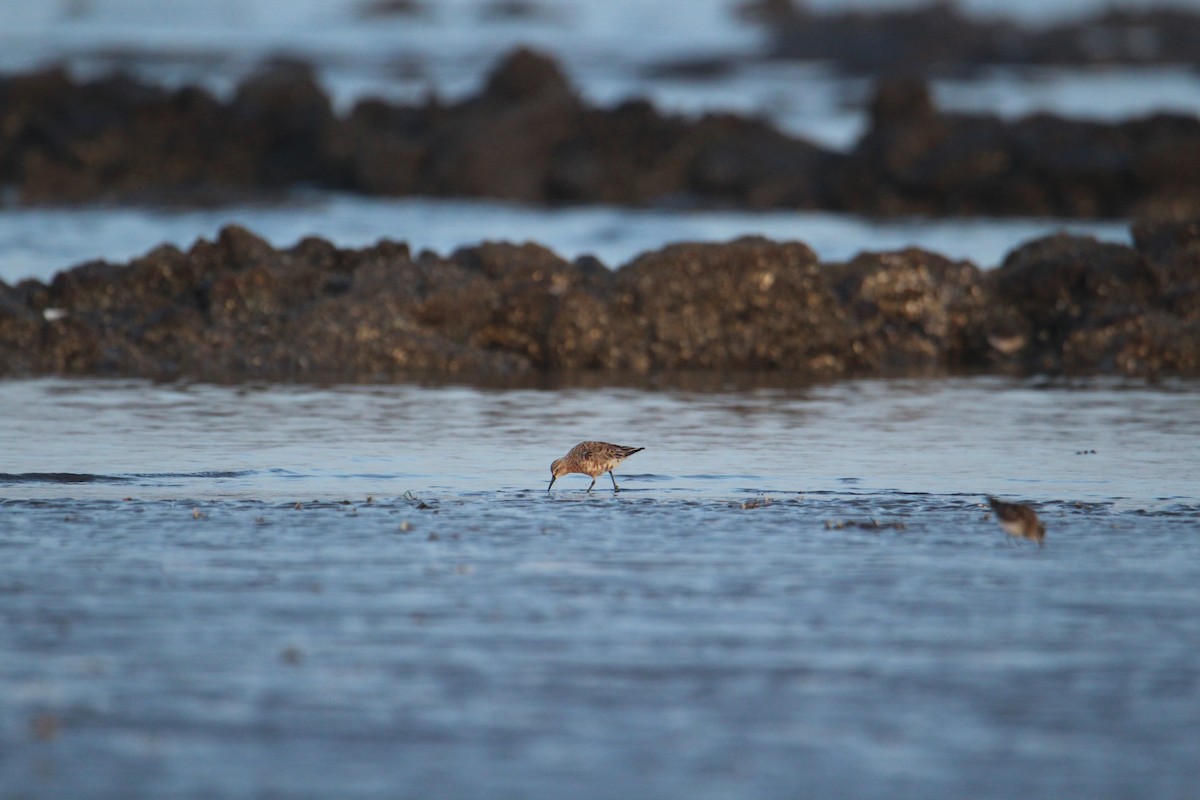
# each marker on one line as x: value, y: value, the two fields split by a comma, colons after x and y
x: 239, y: 309
x: 938, y: 38
x: 528, y: 137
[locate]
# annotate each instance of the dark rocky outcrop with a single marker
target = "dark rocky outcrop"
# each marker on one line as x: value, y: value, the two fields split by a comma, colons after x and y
x: 119, y: 139
x: 237, y: 308
x: 527, y: 136
x: 939, y: 37
x: 1104, y: 308
x: 915, y: 159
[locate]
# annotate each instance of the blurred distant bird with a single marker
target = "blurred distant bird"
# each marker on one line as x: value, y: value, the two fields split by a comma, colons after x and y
x: 1018, y: 520
x: 591, y: 458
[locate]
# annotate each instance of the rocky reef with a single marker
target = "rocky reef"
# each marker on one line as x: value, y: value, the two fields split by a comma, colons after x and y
x: 237, y: 308
x: 529, y: 137
x: 939, y: 38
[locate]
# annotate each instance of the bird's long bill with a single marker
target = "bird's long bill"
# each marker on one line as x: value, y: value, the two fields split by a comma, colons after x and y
x: 553, y: 478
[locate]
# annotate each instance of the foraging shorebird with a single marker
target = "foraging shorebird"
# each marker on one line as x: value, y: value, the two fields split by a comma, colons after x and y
x: 1018, y: 520
x: 591, y: 458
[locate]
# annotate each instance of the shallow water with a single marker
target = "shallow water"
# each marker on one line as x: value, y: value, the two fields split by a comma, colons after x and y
x: 37, y: 243
x: 366, y: 592
x: 279, y: 442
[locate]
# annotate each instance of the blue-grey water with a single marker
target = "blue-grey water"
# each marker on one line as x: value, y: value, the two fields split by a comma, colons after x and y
x: 39, y: 242
x: 365, y: 591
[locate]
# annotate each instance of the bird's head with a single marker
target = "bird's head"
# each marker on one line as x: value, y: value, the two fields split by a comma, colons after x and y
x: 557, y: 470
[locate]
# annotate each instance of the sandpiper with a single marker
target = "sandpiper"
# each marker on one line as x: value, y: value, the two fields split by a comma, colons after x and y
x: 591, y: 458
x: 1018, y: 520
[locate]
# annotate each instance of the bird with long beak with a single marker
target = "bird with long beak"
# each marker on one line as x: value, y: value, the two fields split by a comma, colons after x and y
x: 591, y: 458
x: 1018, y: 520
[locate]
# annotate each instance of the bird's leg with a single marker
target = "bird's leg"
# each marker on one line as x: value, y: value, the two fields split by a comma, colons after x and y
x: 614, y: 480
x: 593, y: 483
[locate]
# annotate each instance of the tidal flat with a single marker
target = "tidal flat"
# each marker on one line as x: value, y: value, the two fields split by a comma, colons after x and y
x: 367, y: 591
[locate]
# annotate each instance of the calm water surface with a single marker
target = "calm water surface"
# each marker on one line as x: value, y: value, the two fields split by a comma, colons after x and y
x: 366, y: 592
x: 39, y: 242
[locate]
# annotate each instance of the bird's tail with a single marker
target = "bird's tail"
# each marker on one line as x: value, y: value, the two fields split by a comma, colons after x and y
x: 626, y: 452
